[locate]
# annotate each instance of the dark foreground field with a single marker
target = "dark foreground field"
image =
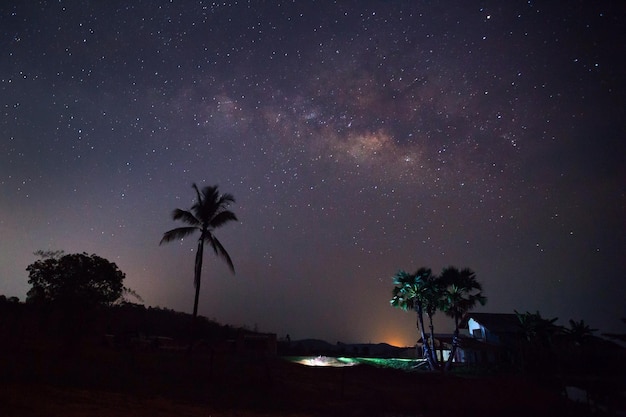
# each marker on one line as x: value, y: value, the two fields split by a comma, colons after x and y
x: 108, y: 382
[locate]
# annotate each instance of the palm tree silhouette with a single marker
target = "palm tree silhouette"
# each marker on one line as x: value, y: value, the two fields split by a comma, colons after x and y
x: 579, y: 332
x: 537, y: 349
x: 463, y: 292
x: 208, y: 213
x: 411, y: 293
x: 433, y: 289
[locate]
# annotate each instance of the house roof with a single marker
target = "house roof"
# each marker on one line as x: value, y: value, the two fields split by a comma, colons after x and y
x: 494, y: 322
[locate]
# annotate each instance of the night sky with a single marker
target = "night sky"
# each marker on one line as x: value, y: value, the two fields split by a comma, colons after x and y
x: 358, y: 138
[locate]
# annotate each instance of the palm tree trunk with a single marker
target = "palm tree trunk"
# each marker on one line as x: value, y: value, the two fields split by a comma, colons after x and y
x: 432, y: 339
x: 420, y: 326
x: 196, y: 281
x: 455, y: 343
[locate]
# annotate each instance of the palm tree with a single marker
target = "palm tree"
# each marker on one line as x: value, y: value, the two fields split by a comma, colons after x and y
x: 462, y: 293
x: 208, y: 213
x: 579, y: 332
x: 409, y: 294
x: 538, y: 334
x: 432, y: 292
x: 536, y: 329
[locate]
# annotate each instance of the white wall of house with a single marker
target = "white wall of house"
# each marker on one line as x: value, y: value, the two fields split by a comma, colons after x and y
x: 446, y: 355
x: 475, y: 329
x: 479, y: 331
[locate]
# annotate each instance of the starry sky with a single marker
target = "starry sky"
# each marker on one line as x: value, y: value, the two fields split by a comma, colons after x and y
x: 358, y: 138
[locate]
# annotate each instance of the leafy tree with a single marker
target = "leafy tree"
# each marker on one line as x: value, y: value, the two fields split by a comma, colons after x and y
x: 68, y: 288
x: 410, y: 292
x: 74, y: 279
x: 209, y: 212
x: 462, y: 293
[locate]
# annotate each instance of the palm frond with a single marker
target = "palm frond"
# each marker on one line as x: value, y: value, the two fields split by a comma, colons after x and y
x: 185, y: 216
x: 198, y: 194
x: 210, y: 192
x: 178, y: 233
x: 402, y: 277
x: 220, y: 251
x: 222, y: 218
x: 402, y: 302
x: 424, y: 273
x: 226, y: 199
x: 210, y: 203
x: 407, y: 291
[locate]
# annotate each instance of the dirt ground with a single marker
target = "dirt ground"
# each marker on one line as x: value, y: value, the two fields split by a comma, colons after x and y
x: 158, y: 384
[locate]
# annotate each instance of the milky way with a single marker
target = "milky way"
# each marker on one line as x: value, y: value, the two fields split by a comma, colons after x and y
x: 358, y: 138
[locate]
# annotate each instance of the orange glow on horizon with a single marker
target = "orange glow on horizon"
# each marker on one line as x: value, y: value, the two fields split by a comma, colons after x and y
x: 392, y: 333
x: 398, y: 340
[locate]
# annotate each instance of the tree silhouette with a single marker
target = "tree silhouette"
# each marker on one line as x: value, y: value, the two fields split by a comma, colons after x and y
x: 538, y: 334
x: 75, y: 279
x: 432, y: 291
x: 71, y: 288
x: 579, y: 332
x: 536, y: 329
x: 411, y: 293
x: 462, y: 293
x: 209, y: 212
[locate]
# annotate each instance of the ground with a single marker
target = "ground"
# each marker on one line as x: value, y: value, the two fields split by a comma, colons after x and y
x: 110, y: 382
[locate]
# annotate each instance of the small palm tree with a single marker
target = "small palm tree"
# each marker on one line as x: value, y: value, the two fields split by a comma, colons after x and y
x: 536, y: 329
x: 579, y: 332
x: 537, y: 346
x: 208, y: 213
x: 409, y: 294
x: 463, y: 292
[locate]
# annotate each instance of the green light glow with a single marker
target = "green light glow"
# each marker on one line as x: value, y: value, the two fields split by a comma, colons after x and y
x: 325, y: 361
x: 337, y: 362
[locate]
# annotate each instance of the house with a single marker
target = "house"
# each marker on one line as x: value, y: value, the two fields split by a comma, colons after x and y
x: 485, y: 339
x: 493, y: 338
x: 471, y: 350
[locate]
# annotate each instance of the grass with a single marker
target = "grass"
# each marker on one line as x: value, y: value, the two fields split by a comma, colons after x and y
x: 341, y: 361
